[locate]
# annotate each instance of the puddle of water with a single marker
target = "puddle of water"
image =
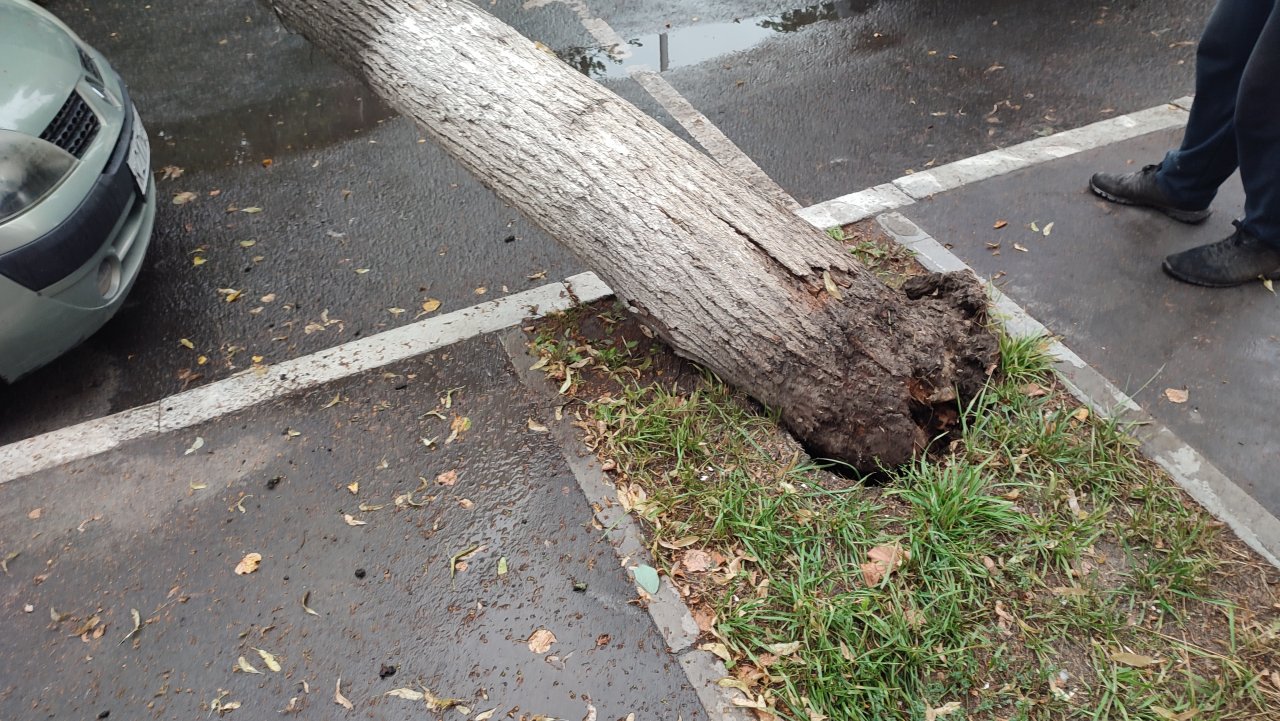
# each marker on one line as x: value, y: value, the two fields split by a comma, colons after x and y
x: 702, y: 42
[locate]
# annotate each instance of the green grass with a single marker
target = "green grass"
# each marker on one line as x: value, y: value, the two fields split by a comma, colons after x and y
x: 1038, y: 549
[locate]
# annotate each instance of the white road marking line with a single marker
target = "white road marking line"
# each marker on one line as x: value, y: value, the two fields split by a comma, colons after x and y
x: 247, y: 389
x: 712, y: 140
x: 715, y: 142
x: 1213, y: 490
x: 909, y: 188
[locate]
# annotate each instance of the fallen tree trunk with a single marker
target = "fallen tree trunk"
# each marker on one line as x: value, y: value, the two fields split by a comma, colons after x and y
x: 723, y: 275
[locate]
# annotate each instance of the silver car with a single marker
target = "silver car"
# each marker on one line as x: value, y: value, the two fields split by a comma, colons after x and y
x: 77, y: 200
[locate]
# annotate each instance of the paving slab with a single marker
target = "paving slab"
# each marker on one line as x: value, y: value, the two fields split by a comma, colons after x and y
x: 1095, y: 280
x: 152, y: 527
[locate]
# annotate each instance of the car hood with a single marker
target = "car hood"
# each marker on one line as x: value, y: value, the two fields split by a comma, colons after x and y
x: 39, y: 66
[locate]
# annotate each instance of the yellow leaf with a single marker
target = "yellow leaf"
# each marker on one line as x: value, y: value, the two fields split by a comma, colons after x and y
x: 430, y: 305
x: 248, y: 243
x: 245, y: 667
x: 407, y: 694
x: 783, y: 649
x: 197, y: 261
x: 1266, y: 283
x: 339, y: 699
x: 1048, y: 228
x: 679, y: 542
x: 719, y: 649
x: 1176, y: 395
x: 1081, y: 414
x: 248, y: 564
x: 186, y: 343
x: 197, y: 486
x: 354, y: 487
x: 540, y: 641
x: 269, y: 660
x: 305, y: 598
x: 832, y: 289
x: 251, y: 210
x: 362, y: 271
x: 202, y: 359
x: 184, y: 197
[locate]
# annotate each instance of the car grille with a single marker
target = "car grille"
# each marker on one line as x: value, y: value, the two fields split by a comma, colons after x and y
x: 73, y: 127
x: 90, y: 67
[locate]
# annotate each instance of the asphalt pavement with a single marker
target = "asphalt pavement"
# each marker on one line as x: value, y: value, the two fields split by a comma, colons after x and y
x: 361, y: 223
x: 472, y: 568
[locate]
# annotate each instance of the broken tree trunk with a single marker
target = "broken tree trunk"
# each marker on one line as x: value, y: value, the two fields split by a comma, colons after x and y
x: 724, y: 276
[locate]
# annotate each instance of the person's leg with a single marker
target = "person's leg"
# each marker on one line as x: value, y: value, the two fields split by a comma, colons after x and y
x: 1190, y: 176
x: 1253, y: 251
x: 1258, y: 134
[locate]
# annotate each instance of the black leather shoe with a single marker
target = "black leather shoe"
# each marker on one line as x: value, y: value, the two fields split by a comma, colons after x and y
x: 1140, y: 188
x: 1236, y: 260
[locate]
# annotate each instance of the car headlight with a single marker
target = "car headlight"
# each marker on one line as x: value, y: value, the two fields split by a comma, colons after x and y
x: 29, y: 169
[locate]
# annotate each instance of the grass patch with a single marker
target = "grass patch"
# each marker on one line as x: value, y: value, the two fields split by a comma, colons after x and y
x: 1037, y: 568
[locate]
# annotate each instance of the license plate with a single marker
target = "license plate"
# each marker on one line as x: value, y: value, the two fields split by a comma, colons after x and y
x: 140, y: 154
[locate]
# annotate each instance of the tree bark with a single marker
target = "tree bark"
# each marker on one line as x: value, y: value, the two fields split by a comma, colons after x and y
x: 724, y: 276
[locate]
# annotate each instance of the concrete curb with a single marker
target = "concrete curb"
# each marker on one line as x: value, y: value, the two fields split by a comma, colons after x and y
x: 667, y: 610
x: 1219, y: 495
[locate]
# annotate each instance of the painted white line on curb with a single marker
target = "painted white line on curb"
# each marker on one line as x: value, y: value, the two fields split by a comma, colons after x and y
x: 909, y: 188
x: 248, y: 389
x: 1059, y: 145
x: 716, y: 143
x: 1214, y: 491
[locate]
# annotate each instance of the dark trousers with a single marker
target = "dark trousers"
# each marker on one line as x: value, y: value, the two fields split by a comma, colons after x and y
x: 1235, y: 120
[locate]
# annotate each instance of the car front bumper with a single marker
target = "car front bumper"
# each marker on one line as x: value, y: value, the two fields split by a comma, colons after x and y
x: 47, y: 308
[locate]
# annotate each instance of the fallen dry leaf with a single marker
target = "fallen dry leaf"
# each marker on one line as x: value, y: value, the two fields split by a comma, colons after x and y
x: 184, y: 197
x: 430, y: 305
x: 536, y: 427
x: 269, y: 659
x: 339, y: 699
x: 884, y: 561
x: 719, y: 649
x: 697, y: 561
x: 830, y: 285
x: 243, y: 665
x: 946, y: 709
x: 306, y: 597
x: 1021, y: 248
x: 248, y: 564
x: 540, y: 641
x: 1033, y: 390
x: 354, y: 487
x: 1176, y: 395
x: 35, y: 513
x: 1000, y: 224
x: 783, y: 649
x: 448, y: 478
x: 407, y: 694
x: 1134, y: 660
x: 353, y: 521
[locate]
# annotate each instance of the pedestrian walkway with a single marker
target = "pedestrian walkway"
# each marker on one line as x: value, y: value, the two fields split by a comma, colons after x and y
x: 1206, y: 363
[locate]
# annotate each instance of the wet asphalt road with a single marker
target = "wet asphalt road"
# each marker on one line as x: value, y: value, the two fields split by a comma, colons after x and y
x: 152, y: 528
x: 359, y: 218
